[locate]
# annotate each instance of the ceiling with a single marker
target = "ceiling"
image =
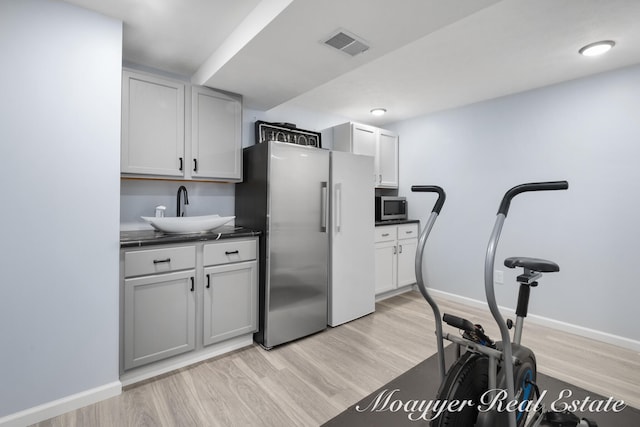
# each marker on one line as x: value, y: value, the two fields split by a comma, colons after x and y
x: 424, y: 55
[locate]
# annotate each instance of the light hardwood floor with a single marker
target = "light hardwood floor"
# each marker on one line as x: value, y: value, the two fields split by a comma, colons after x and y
x: 307, y: 382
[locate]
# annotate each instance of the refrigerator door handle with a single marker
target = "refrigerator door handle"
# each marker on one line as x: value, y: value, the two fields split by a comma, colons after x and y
x: 338, y: 210
x: 323, y: 207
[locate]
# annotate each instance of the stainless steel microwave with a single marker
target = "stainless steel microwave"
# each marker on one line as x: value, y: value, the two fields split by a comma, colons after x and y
x: 389, y: 207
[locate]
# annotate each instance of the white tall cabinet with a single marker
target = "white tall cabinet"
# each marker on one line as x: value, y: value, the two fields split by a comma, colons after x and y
x: 176, y: 130
x: 368, y: 140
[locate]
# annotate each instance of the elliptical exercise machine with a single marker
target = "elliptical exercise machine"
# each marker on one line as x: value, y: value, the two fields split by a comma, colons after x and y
x: 499, y: 377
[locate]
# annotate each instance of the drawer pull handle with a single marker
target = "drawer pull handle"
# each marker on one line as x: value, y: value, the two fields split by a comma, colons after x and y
x: 208, y: 281
x: 160, y: 261
x: 385, y: 234
x: 231, y: 252
x: 192, y: 284
x: 409, y: 232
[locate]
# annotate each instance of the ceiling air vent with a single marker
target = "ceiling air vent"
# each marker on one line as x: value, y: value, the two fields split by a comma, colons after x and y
x: 346, y: 43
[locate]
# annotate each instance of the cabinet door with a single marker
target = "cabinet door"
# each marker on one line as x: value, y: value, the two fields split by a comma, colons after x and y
x: 387, y: 160
x: 159, y: 317
x: 386, y: 266
x: 364, y: 139
x: 216, y: 141
x: 152, y: 125
x: 407, y: 261
x: 230, y: 301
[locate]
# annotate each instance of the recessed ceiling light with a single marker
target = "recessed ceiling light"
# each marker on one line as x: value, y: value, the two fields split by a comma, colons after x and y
x: 378, y: 111
x: 597, y: 48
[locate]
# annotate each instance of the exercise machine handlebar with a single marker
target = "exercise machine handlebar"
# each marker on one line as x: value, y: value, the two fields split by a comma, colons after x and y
x: 488, y: 277
x: 418, y: 266
x: 532, y: 186
x: 432, y: 189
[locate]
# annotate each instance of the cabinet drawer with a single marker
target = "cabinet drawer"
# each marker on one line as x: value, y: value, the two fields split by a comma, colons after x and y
x: 138, y: 263
x: 231, y: 251
x: 408, y: 231
x: 385, y: 233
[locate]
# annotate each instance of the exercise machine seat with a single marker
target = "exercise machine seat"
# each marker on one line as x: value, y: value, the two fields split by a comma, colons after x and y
x: 534, y: 264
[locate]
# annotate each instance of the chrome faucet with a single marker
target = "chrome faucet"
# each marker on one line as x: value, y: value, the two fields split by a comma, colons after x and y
x: 180, y: 211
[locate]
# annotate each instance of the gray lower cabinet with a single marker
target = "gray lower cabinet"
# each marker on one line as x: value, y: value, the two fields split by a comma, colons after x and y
x: 230, y: 301
x: 230, y: 290
x: 159, y: 317
x: 182, y: 298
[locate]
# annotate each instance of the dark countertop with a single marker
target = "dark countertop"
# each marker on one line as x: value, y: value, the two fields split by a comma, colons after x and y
x: 137, y: 238
x: 397, y: 222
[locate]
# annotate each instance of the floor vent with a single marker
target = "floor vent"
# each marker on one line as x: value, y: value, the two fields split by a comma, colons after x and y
x: 347, y: 43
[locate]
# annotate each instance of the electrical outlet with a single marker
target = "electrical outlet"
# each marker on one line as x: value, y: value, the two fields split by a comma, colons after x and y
x: 498, y: 277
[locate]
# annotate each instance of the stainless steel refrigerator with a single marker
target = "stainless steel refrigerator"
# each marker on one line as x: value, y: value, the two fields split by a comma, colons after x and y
x: 284, y: 194
x: 317, y: 248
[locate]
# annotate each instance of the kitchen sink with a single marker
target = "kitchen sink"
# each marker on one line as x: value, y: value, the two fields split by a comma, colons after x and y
x: 187, y: 224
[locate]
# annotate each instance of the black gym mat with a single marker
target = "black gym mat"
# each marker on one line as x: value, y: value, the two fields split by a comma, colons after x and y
x: 421, y: 383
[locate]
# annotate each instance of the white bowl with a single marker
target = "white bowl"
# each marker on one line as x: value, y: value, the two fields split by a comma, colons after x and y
x: 187, y: 224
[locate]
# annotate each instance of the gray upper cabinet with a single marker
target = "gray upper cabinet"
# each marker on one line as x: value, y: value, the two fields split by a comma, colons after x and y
x: 216, y: 140
x: 152, y: 125
x: 173, y: 129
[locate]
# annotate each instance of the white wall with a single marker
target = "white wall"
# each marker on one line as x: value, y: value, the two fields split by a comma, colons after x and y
x: 585, y: 131
x: 59, y: 145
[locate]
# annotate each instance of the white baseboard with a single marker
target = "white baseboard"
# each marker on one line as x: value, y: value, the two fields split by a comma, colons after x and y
x: 89, y: 397
x: 177, y: 362
x: 551, y: 323
x: 394, y: 292
x: 58, y: 407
